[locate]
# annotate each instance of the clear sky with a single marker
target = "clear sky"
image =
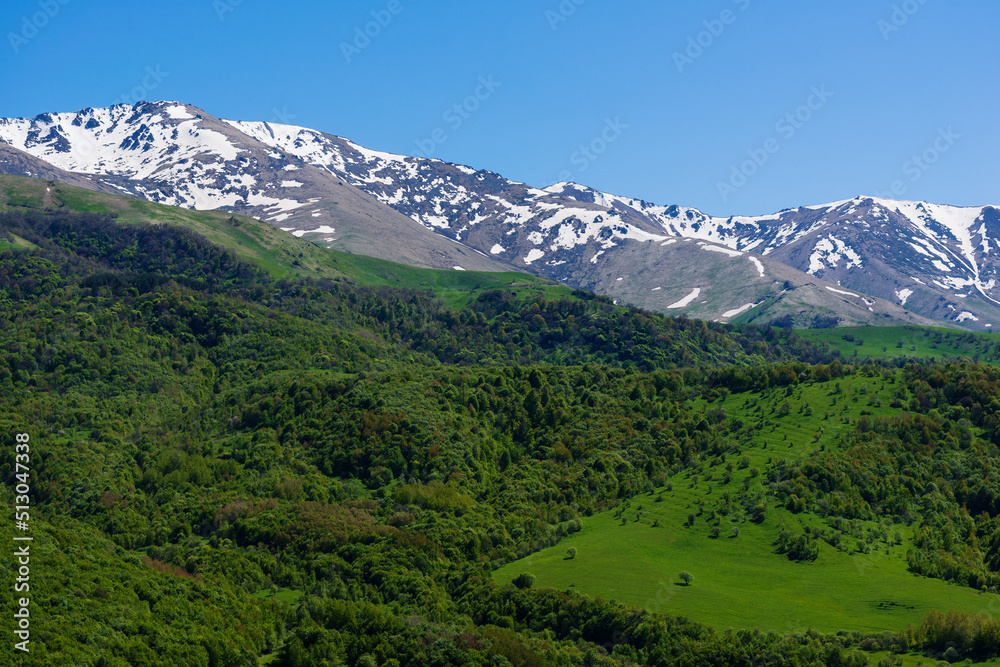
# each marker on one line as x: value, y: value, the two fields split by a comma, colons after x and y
x: 730, y: 106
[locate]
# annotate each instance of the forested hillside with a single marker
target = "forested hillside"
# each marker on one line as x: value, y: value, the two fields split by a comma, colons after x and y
x: 228, y: 468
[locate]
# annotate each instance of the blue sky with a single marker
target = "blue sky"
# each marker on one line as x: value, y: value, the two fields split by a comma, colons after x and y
x: 730, y: 106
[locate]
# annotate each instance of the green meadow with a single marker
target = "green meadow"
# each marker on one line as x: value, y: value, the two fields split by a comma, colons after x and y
x: 634, y: 553
x: 739, y: 582
x: 858, y: 343
x: 455, y: 288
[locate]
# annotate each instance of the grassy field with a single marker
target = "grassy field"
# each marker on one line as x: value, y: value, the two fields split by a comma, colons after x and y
x: 914, y: 660
x: 739, y: 582
x: 633, y: 554
x: 289, y: 596
x: 454, y: 287
x: 855, y: 343
x: 15, y: 242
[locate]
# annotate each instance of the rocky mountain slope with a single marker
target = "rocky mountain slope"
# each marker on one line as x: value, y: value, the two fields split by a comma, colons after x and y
x: 860, y: 261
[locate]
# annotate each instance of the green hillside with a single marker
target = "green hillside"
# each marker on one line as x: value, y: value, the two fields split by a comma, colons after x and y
x: 861, y: 343
x: 634, y: 553
x: 234, y: 459
x: 279, y: 253
x: 453, y: 287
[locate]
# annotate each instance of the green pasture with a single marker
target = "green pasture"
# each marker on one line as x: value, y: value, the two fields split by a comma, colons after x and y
x: 858, y: 343
x: 634, y: 553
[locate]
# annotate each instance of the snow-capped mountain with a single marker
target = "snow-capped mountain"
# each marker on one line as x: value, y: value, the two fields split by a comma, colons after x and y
x: 935, y: 258
x: 932, y: 260
x: 176, y: 154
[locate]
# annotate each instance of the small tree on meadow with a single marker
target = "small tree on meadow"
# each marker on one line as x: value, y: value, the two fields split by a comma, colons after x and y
x: 571, y: 552
x: 686, y: 577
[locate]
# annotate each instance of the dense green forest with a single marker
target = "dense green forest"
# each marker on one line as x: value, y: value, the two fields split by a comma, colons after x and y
x: 231, y: 468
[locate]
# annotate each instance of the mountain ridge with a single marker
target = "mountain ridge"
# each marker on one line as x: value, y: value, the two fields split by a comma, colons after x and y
x: 930, y: 260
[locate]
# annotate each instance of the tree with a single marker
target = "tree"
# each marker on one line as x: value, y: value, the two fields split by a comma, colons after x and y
x: 571, y: 552
x: 524, y: 580
x: 686, y: 577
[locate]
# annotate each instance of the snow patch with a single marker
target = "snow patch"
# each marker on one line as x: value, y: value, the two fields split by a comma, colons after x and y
x: 686, y: 300
x: 831, y: 250
x: 843, y: 292
x: 497, y: 249
x: 724, y: 251
x: 533, y: 255
x: 903, y: 295
x: 322, y: 229
x: 742, y: 309
x: 759, y: 265
x: 965, y: 316
x: 178, y: 112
